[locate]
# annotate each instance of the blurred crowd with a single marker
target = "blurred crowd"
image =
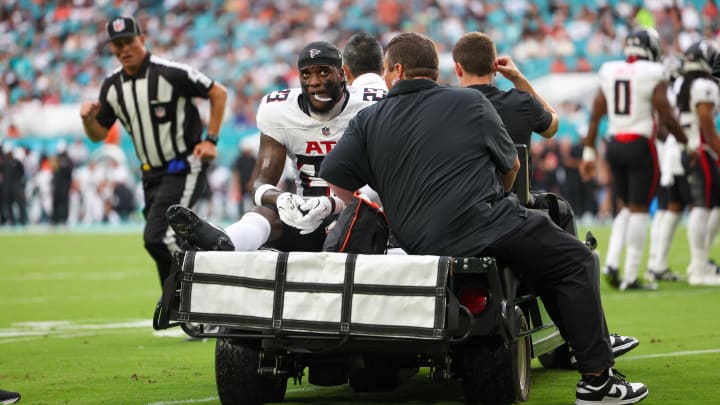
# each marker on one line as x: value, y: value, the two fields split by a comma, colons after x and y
x: 53, y: 53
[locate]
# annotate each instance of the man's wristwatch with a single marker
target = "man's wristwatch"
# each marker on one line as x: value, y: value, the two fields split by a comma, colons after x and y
x: 212, y: 139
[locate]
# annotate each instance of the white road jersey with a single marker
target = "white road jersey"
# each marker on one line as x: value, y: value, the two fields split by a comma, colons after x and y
x: 701, y: 91
x: 307, y: 139
x: 369, y: 81
x: 628, y: 89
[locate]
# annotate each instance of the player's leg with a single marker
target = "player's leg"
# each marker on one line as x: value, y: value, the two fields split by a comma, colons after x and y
x: 713, y: 225
x: 654, y: 251
x: 643, y: 178
x: 616, y: 160
x: 678, y: 196
x: 699, y: 271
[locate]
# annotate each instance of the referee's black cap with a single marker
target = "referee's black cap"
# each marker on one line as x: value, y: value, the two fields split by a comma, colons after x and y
x: 119, y: 27
x: 320, y: 53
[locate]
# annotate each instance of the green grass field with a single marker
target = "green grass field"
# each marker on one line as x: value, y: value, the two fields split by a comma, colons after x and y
x: 75, y: 327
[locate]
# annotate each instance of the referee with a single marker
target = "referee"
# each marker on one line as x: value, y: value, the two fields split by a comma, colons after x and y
x: 152, y: 97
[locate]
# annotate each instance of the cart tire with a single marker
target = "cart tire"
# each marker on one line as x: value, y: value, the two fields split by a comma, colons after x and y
x: 558, y: 359
x: 496, y: 373
x: 237, y: 378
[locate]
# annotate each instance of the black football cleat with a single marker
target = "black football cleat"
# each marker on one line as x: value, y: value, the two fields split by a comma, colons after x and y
x: 196, y: 231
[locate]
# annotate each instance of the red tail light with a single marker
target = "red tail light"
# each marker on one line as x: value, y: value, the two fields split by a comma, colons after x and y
x: 475, y: 299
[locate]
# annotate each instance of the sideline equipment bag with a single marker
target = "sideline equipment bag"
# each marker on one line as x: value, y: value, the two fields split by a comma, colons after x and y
x: 361, y: 227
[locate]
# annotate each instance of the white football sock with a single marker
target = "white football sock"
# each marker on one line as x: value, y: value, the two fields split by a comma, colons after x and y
x: 666, y: 232
x: 713, y: 225
x: 654, y: 251
x: 250, y: 232
x: 617, y: 238
x: 636, y: 237
x: 697, y: 234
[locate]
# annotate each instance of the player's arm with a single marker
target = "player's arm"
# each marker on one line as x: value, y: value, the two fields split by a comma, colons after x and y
x: 507, y: 68
x: 706, y: 118
x: 93, y: 129
x: 269, y: 168
x: 599, y: 110
x: 665, y: 112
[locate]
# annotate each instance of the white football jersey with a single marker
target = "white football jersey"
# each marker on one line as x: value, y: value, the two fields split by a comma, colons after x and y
x: 701, y: 91
x: 307, y: 139
x: 628, y: 89
x: 369, y: 81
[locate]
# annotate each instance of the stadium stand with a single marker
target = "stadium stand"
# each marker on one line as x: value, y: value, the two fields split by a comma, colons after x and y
x: 52, y: 54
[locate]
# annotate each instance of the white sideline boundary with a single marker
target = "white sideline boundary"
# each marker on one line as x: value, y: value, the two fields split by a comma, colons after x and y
x: 672, y: 354
x: 186, y: 401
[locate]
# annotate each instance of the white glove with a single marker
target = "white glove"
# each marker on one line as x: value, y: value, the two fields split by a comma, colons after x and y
x: 316, y: 210
x: 670, y: 162
x: 288, y: 206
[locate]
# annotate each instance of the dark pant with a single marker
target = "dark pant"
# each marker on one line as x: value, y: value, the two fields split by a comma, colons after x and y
x: 634, y: 168
x: 161, y: 191
x: 563, y: 271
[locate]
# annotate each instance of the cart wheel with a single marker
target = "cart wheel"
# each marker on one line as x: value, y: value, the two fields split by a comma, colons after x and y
x: 237, y: 378
x: 496, y: 373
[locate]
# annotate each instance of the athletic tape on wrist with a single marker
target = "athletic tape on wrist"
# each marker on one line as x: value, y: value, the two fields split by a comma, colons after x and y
x: 589, y: 154
x: 260, y: 191
x: 337, y: 204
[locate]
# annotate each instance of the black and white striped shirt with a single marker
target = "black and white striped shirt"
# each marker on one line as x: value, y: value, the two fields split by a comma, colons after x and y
x: 155, y: 106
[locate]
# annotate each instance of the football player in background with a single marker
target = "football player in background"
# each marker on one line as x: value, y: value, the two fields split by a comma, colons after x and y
x: 631, y: 91
x: 698, y: 100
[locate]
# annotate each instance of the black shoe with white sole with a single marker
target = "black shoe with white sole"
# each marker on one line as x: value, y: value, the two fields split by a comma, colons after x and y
x: 662, y: 275
x: 612, y: 275
x: 618, y: 343
x: 613, y: 390
x: 197, y: 232
x: 9, y: 397
x: 622, y: 344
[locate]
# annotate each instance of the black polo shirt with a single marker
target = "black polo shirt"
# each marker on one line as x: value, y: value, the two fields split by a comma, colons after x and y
x: 432, y: 153
x: 521, y: 113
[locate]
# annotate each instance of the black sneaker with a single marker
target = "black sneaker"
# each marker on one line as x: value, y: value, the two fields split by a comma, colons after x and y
x: 618, y: 343
x: 612, y: 276
x: 9, y: 397
x: 196, y: 231
x: 663, y: 275
x: 714, y: 265
x: 622, y: 344
x: 637, y: 285
x: 615, y: 390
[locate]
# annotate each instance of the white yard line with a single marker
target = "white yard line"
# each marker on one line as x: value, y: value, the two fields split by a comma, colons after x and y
x: 186, y: 401
x: 29, y: 331
x: 671, y: 354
